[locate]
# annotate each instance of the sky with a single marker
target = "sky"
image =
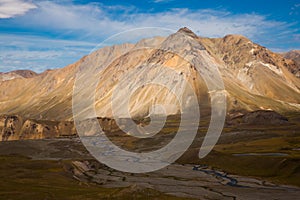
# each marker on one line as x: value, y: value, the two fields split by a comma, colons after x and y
x: 40, y: 35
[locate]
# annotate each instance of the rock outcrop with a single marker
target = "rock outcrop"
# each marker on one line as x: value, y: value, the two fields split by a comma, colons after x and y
x: 259, y: 117
x: 16, y: 128
x: 10, y: 127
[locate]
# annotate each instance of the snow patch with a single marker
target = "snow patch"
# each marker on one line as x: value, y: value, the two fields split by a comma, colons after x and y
x: 8, y: 77
x: 263, y: 108
x: 274, y: 68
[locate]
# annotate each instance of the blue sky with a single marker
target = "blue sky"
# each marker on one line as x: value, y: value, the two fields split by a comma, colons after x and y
x: 39, y: 35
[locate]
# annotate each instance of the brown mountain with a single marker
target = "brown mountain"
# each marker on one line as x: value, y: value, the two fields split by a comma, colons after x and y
x: 17, y: 74
x: 25, y: 73
x: 294, y: 55
x: 255, y: 78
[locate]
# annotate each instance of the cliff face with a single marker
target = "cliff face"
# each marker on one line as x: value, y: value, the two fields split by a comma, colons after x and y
x: 10, y: 126
x: 16, y: 128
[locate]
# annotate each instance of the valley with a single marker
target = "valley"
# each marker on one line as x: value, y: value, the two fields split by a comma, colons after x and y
x: 31, y: 166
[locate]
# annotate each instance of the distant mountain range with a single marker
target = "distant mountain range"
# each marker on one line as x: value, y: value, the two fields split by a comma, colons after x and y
x: 255, y: 78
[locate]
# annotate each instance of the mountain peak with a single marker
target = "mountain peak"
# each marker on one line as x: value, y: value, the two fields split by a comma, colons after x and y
x: 25, y: 73
x: 187, y: 31
x: 235, y: 38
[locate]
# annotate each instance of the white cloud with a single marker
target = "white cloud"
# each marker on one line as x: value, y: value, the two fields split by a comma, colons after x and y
x: 39, y: 53
x: 161, y: 1
x: 11, y: 8
x: 96, y: 20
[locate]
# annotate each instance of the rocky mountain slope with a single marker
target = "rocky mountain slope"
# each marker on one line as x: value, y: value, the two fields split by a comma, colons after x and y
x: 295, y: 56
x: 254, y: 77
